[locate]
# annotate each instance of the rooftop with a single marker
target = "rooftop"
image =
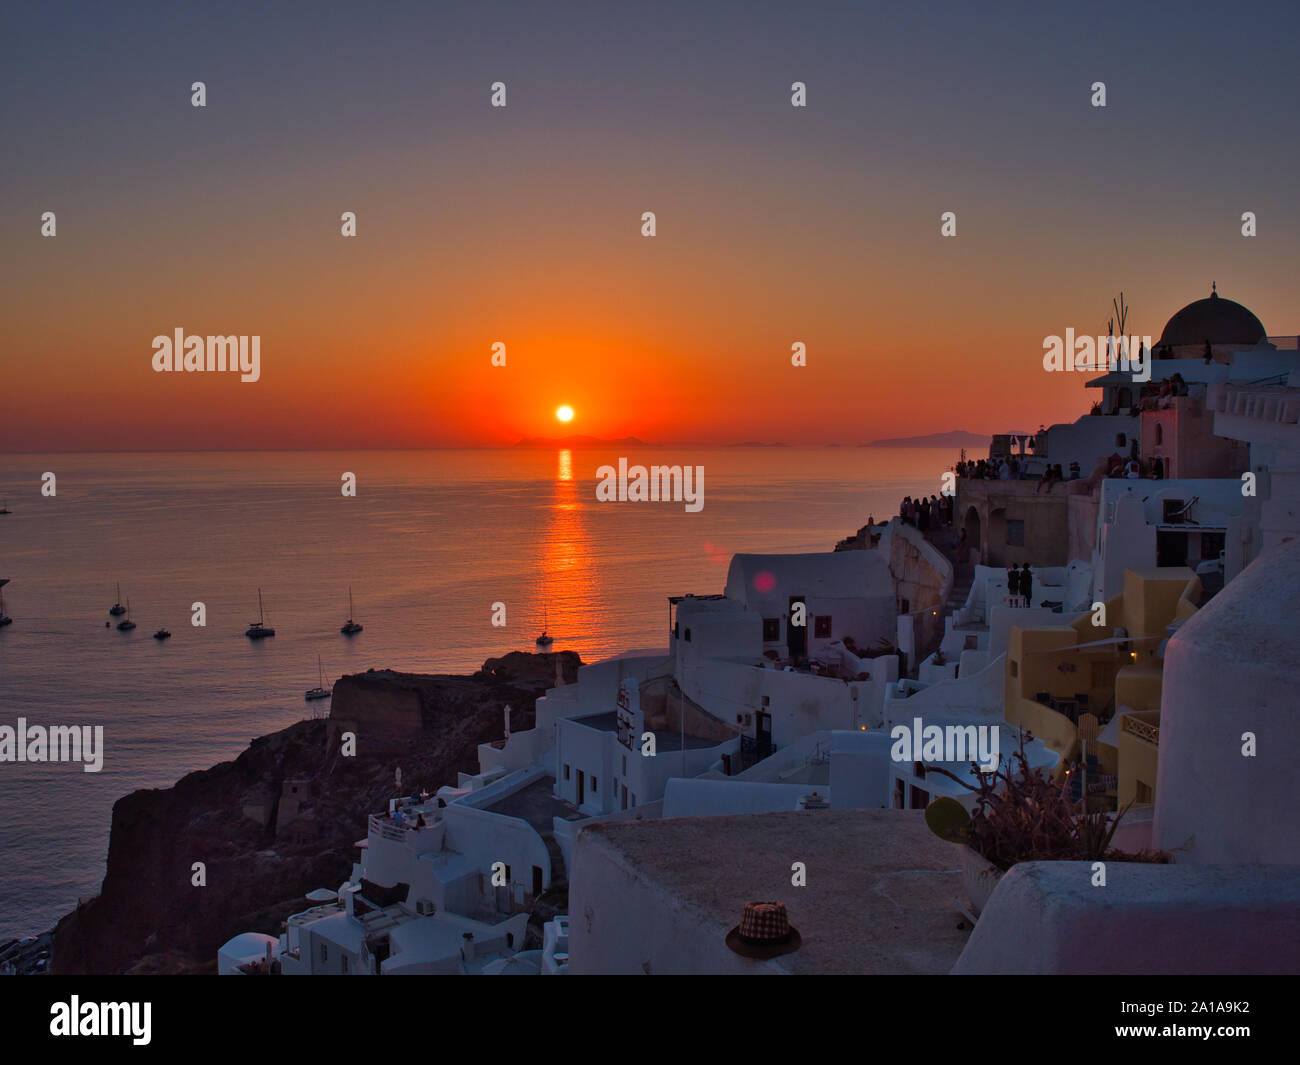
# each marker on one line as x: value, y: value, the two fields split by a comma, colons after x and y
x: 666, y: 740
x: 882, y: 895
x: 537, y: 805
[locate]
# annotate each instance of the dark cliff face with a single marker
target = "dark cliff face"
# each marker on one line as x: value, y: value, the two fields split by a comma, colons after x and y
x: 281, y: 819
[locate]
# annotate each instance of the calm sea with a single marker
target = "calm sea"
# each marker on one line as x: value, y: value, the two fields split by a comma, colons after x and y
x: 431, y: 540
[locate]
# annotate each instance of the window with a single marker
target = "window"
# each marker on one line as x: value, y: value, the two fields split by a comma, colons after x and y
x: 1160, y: 434
x: 1120, y: 439
x: 1015, y: 532
x: 344, y: 963
x: 822, y: 626
x: 1015, y: 668
x: 566, y: 772
x: 1211, y: 545
x: 595, y: 786
x: 688, y: 635
x: 771, y: 630
x: 324, y: 952
x: 767, y: 701
x: 625, y: 765
x: 1142, y: 793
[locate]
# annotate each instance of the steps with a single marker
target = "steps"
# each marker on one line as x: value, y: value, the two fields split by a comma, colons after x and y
x: 559, y: 875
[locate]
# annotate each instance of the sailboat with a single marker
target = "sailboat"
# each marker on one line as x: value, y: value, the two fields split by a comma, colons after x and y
x: 162, y: 634
x: 4, y: 508
x: 320, y: 692
x: 258, y: 630
x: 5, y: 619
x: 544, y: 640
x: 117, y: 609
x: 350, y: 626
x: 126, y: 624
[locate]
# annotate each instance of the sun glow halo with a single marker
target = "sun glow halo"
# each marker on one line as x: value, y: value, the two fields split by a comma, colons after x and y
x: 565, y: 413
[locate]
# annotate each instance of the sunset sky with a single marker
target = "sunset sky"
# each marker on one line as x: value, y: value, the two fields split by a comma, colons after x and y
x: 523, y: 224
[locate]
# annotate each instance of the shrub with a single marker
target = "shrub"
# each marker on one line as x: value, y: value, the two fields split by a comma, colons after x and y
x: 1021, y: 816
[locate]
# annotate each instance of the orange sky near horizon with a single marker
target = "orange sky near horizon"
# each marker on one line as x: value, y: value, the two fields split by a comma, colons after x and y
x: 523, y: 226
x: 376, y: 342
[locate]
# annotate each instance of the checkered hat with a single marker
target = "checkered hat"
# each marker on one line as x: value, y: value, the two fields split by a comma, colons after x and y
x: 764, y: 931
x: 764, y: 922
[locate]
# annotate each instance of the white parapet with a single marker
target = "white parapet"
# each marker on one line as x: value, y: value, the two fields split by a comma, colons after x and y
x: 1147, y: 920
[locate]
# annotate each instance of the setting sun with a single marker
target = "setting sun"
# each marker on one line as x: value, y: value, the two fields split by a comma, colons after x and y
x: 565, y: 414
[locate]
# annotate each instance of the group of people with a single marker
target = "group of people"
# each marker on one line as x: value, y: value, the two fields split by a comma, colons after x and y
x: 986, y: 470
x: 926, y: 514
x: 1020, y: 581
x: 1053, y: 473
x: 1157, y: 395
x: 1133, y: 467
x: 1010, y: 468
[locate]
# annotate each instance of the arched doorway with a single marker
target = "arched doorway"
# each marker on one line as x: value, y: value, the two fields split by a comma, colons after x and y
x: 971, y: 526
x: 997, y: 555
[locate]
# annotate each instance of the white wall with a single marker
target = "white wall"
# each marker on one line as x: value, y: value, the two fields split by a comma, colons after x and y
x: 484, y: 838
x: 799, y: 703
x: 1233, y: 669
x: 715, y: 798
x: 591, y: 751
x: 860, y: 778
x: 623, y: 924
x: 1153, y: 920
x: 1089, y: 440
x: 978, y: 696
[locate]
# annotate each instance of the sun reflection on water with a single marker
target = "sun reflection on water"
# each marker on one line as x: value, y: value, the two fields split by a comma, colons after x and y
x: 565, y: 571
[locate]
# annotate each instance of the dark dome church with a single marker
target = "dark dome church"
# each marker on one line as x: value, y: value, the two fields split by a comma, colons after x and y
x: 1213, y: 325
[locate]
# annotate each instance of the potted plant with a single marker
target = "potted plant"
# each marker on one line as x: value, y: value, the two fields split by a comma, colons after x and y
x: 1021, y: 816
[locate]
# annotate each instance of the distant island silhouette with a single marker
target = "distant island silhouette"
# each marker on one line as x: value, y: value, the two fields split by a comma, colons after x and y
x: 580, y: 441
x: 955, y: 438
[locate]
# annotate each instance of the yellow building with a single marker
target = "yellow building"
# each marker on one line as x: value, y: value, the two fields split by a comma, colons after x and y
x: 1107, y: 662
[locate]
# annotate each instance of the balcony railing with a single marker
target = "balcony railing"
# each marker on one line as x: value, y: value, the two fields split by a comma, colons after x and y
x: 1141, y: 729
x: 388, y: 830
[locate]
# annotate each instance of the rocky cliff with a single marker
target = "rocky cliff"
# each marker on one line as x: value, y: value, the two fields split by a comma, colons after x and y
x: 281, y: 819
